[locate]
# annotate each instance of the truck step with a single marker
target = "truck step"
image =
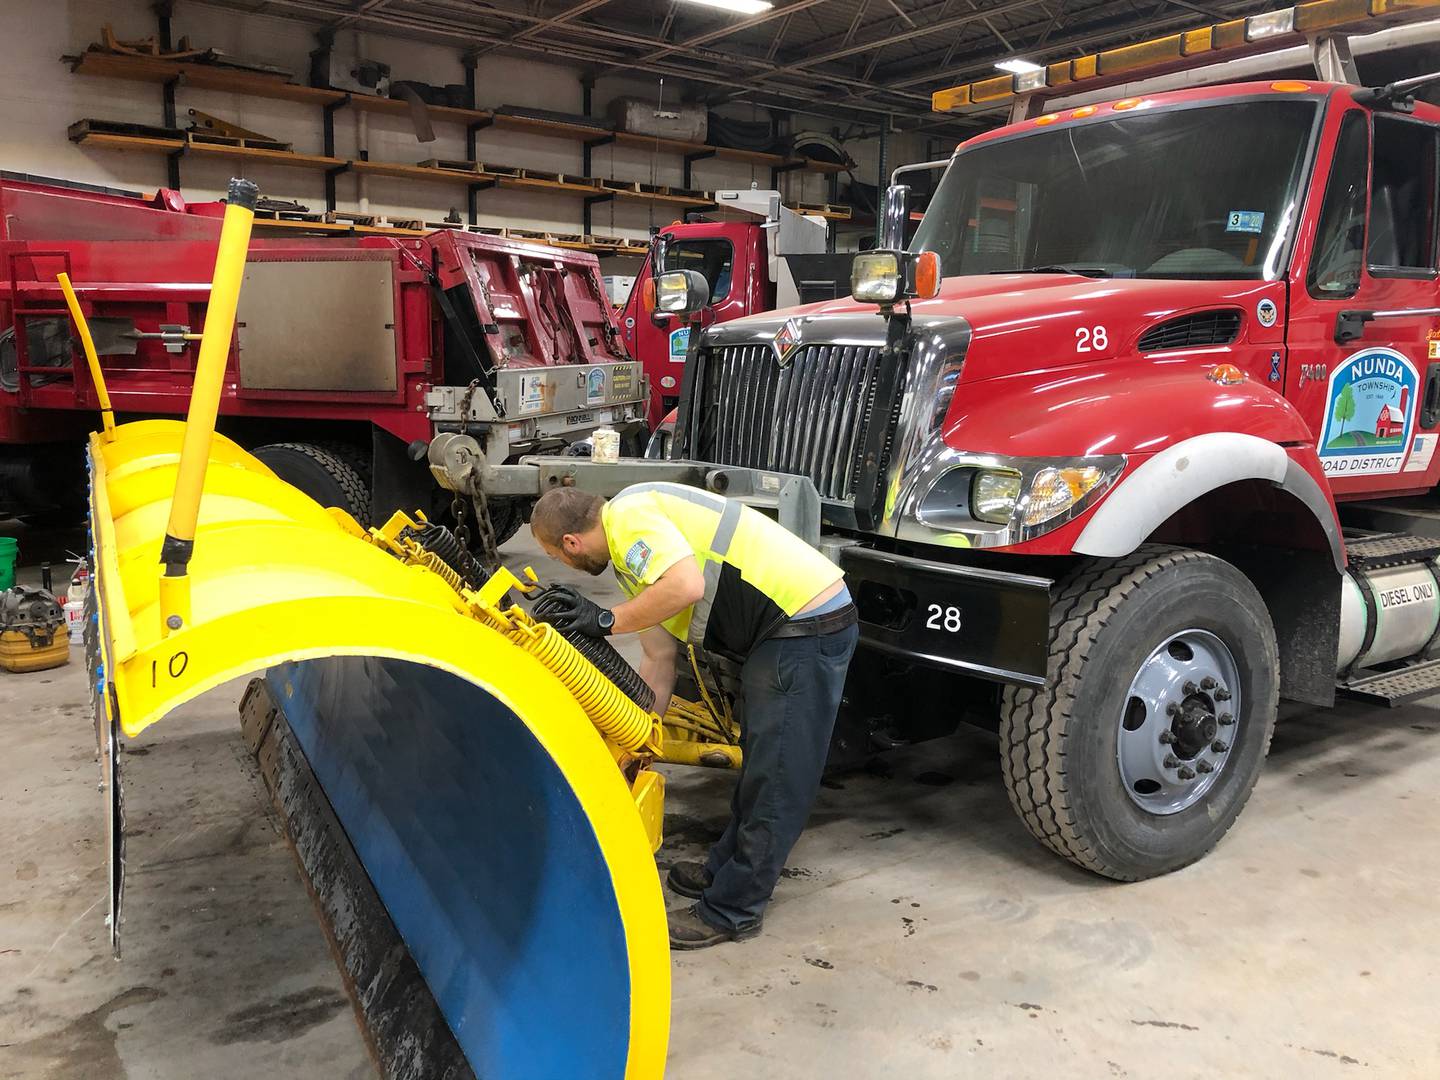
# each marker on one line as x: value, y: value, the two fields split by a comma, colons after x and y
x: 1380, y: 550
x: 1397, y: 687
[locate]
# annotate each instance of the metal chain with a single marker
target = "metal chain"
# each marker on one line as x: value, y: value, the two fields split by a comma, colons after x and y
x: 489, y: 549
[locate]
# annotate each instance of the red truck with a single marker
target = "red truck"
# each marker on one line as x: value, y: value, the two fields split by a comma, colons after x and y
x: 348, y: 352
x: 1157, y: 452
x: 755, y: 255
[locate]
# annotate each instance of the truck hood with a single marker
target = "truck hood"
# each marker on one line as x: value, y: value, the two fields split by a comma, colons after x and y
x: 1031, y: 322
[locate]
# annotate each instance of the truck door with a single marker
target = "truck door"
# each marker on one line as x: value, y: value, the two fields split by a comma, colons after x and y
x: 1363, y: 338
x: 660, y: 340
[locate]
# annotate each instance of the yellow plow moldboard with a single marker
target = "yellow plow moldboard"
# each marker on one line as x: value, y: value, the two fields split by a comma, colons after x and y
x: 484, y: 806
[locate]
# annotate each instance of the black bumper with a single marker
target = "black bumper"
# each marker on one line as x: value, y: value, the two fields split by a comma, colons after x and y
x: 975, y: 621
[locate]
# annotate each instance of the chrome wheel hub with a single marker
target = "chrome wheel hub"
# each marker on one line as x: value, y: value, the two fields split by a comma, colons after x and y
x: 1178, y: 722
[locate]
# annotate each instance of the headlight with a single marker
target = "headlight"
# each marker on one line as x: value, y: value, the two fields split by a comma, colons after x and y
x: 875, y: 277
x: 1054, y: 491
x: 681, y: 292
x: 993, y: 495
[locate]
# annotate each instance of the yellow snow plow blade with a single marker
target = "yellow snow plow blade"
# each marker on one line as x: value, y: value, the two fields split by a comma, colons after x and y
x: 275, y: 579
x: 494, y: 786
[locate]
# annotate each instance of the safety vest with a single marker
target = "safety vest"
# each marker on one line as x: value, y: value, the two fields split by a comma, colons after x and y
x: 757, y: 572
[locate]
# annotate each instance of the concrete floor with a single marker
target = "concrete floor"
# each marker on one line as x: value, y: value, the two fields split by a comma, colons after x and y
x: 919, y: 931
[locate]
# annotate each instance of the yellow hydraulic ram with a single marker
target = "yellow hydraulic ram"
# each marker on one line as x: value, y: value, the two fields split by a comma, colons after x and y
x: 486, y: 805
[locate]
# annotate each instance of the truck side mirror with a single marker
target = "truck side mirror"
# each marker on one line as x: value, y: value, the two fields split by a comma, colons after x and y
x: 681, y: 292
x: 894, y: 215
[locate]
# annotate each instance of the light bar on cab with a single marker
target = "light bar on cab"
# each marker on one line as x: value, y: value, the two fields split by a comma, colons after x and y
x: 1219, y: 41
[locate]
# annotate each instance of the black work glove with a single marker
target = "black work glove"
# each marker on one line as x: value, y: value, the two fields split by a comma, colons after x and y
x: 564, y: 608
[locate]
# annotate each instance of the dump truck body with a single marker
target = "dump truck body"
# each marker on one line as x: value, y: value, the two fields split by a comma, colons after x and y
x: 344, y: 345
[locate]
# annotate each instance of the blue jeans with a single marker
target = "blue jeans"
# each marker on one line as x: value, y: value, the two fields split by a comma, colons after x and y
x: 791, y: 689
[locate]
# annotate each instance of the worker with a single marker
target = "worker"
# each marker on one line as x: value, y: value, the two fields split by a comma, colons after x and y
x: 707, y: 570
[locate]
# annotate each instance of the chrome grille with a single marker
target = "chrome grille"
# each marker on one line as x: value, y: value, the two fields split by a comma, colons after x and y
x: 808, y: 417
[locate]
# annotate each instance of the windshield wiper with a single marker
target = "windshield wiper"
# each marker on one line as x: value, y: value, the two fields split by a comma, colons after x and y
x: 1081, y: 271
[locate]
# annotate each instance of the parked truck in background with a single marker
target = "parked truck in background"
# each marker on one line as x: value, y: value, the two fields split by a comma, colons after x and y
x: 348, y: 351
x: 1157, y: 451
x: 755, y: 255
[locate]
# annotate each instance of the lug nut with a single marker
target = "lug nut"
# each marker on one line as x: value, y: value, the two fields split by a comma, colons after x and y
x: 1222, y: 694
x: 1167, y: 736
x: 1204, y: 766
x: 1207, y: 683
x: 1171, y: 761
x: 1186, y: 773
x: 1172, y: 709
x: 1219, y: 746
x: 1190, y: 688
x: 1226, y: 719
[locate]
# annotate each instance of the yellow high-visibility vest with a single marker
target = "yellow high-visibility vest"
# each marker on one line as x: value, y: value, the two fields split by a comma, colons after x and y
x: 757, y: 572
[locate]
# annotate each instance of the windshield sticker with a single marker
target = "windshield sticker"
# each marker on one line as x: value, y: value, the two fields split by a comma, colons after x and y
x: 679, y: 344
x: 1251, y: 221
x: 1369, y: 414
x: 595, y: 386
x: 1267, y: 312
x: 1421, y: 452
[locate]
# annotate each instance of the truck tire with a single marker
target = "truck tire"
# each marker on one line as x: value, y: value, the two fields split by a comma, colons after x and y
x: 320, y: 473
x: 1142, y: 748
x: 506, y: 517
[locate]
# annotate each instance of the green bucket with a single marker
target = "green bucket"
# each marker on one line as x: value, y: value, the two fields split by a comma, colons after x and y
x: 9, y: 556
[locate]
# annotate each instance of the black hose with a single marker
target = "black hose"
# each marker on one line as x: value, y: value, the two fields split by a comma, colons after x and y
x: 600, y: 653
x: 441, y: 542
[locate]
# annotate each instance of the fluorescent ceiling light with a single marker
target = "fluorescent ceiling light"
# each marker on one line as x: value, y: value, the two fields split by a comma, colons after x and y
x: 1017, y: 67
x: 737, y: 7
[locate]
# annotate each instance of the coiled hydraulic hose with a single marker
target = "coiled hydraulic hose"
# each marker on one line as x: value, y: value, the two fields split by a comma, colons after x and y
x: 445, y: 546
x: 619, y: 719
x: 602, y: 654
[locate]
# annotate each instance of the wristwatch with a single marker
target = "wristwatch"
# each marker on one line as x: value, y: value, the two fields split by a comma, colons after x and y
x: 606, y: 621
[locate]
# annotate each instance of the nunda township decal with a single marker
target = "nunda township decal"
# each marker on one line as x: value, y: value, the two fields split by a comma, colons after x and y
x: 1369, y: 413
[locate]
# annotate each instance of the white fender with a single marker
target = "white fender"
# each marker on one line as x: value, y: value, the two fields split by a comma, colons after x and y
x: 1173, y: 479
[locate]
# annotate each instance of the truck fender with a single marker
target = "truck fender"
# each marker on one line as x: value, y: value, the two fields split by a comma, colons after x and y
x: 1180, y: 474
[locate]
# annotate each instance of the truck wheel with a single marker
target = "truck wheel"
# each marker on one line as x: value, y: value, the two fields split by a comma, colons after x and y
x: 506, y: 517
x: 320, y: 473
x: 1143, y: 746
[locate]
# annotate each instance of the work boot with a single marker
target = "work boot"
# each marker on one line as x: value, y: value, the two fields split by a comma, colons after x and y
x: 689, y: 931
x: 689, y: 879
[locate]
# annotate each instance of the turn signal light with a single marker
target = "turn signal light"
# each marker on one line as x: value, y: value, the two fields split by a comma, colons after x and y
x: 927, y: 275
x: 647, y: 296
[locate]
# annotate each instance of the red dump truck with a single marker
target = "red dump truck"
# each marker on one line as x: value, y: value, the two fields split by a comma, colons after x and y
x: 1137, y: 438
x: 347, y: 351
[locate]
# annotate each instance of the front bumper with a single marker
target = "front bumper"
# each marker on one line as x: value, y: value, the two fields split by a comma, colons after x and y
x: 972, y: 620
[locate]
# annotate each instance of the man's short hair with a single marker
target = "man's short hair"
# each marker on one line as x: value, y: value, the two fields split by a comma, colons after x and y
x: 564, y: 510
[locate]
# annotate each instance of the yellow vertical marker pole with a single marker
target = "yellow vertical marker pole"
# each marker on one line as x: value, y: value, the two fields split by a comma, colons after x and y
x: 92, y: 359
x: 204, y: 404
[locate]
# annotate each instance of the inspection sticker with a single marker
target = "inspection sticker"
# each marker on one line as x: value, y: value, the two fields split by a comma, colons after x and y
x: 1369, y: 414
x: 638, y: 558
x: 595, y: 386
x: 1251, y: 221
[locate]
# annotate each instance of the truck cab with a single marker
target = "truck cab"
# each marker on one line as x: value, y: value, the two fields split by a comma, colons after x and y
x: 1086, y: 486
x: 755, y: 255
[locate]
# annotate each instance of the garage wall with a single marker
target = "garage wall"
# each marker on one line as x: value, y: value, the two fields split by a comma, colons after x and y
x: 42, y: 98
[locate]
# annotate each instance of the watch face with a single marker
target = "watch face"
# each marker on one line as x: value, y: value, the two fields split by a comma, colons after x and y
x: 607, y: 619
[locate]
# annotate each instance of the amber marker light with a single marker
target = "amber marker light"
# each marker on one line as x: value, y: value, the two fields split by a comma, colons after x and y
x: 927, y: 275
x: 1126, y: 103
x: 647, y: 296
x: 1226, y: 374
x: 1083, y: 111
x: 1290, y: 86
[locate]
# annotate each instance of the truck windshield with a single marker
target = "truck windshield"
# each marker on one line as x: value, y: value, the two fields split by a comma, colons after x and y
x: 1199, y: 192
